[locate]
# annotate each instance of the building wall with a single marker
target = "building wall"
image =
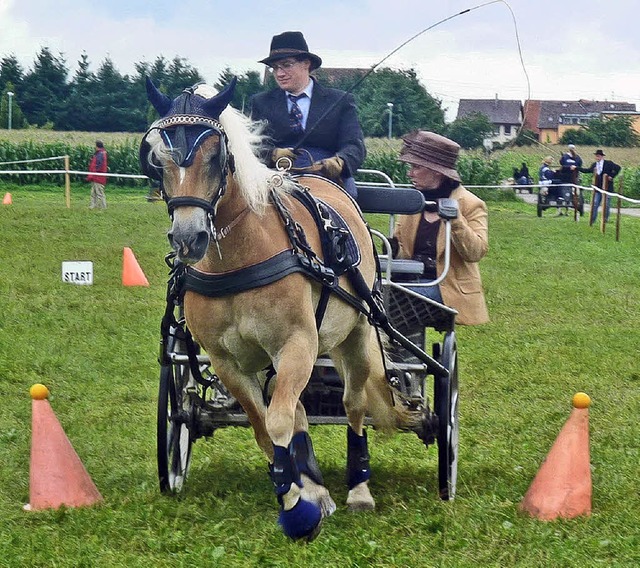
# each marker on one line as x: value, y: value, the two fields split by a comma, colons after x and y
x: 549, y: 136
x: 504, y: 133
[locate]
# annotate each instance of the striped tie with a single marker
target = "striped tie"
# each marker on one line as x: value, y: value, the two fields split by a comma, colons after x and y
x: 295, y: 114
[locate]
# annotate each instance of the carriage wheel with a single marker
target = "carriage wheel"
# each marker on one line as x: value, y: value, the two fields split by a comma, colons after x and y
x: 446, y: 408
x: 174, y: 440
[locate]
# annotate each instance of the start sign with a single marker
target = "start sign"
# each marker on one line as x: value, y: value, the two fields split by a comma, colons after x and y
x: 77, y: 272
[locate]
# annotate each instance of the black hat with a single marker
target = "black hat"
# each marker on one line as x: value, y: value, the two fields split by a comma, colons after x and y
x: 599, y: 153
x: 290, y: 44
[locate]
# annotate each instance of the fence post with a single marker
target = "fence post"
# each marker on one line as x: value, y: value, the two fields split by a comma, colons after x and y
x: 620, y: 189
x: 603, y: 203
x: 67, y: 182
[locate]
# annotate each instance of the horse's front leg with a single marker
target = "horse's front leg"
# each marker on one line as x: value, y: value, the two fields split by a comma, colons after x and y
x: 355, y: 365
x: 299, y: 517
x: 313, y: 488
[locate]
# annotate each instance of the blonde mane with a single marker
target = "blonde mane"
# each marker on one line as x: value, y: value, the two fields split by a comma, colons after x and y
x: 245, y: 143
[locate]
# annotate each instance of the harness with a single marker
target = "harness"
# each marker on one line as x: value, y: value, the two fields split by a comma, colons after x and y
x: 339, y: 251
x: 340, y: 255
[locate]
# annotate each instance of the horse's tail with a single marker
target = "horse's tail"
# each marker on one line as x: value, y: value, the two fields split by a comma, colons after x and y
x: 385, y: 404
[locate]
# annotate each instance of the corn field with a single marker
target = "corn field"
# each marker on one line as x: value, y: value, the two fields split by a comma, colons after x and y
x: 475, y: 168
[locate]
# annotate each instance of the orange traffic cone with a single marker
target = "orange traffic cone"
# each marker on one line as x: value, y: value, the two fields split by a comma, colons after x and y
x: 7, y: 200
x: 562, y: 486
x: 132, y: 274
x: 57, y: 476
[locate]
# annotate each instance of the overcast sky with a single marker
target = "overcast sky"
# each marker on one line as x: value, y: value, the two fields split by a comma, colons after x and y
x: 571, y: 50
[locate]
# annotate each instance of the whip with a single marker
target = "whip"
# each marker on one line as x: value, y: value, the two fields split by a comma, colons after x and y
x: 432, y: 26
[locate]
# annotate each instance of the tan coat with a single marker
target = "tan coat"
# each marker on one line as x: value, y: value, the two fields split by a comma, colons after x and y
x: 462, y: 287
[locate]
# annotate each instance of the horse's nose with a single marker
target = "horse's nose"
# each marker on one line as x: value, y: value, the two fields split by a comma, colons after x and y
x: 190, y: 247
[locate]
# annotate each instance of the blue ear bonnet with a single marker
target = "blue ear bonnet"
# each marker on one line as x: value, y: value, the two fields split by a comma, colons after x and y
x: 183, y: 140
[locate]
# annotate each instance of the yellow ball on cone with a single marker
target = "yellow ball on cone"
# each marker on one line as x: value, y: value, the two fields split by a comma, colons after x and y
x: 581, y: 400
x: 39, y: 392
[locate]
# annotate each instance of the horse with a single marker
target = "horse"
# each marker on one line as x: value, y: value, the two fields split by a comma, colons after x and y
x: 230, y: 216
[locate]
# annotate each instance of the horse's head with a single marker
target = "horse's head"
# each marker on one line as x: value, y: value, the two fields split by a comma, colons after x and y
x: 187, y: 151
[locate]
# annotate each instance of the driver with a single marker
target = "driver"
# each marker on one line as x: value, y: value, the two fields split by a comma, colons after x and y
x: 295, y: 114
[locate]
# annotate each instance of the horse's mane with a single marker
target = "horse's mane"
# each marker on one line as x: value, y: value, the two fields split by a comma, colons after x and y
x: 246, y: 142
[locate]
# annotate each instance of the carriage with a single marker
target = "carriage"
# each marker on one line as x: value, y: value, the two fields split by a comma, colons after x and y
x: 560, y: 196
x: 268, y: 270
x: 193, y: 403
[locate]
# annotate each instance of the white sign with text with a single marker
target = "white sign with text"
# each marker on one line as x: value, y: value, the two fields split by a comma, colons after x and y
x: 77, y: 272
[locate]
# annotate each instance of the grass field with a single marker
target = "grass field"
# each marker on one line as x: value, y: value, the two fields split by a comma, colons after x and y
x: 564, y: 304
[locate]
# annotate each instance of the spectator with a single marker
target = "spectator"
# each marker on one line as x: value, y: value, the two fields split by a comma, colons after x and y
x: 432, y: 159
x: 97, y: 165
x: 570, y: 164
x: 296, y: 112
x: 523, y: 176
x: 545, y: 173
x: 603, y: 172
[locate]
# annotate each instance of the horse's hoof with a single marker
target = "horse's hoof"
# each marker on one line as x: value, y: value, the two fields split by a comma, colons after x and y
x: 303, y: 521
x: 360, y: 498
x: 318, y: 494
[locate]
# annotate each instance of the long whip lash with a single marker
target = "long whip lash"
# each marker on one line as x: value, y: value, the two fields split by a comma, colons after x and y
x: 432, y: 26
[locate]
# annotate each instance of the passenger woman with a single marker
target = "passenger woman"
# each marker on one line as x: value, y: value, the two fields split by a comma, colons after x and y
x: 432, y: 160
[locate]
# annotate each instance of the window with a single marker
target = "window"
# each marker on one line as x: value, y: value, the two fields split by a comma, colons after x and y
x: 507, y: 129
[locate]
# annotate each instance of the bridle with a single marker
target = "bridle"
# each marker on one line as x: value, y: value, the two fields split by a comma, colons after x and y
x: 225, y: 161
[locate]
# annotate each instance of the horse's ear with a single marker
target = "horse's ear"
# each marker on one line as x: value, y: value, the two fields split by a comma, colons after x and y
x: 160, y: 101
x: 215, y: 105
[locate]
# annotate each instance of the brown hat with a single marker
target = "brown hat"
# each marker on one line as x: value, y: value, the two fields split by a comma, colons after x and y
x: 290, y: 44
x: 430, y: 150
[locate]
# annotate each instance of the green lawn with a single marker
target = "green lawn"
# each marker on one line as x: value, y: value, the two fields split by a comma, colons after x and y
x: 564, y: 304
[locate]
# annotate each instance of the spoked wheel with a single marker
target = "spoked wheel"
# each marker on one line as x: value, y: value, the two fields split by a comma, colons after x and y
x: 446, y: 408
x: 174, y: 440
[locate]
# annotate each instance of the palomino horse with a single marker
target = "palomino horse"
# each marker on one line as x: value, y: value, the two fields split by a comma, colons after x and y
x: 231, y: 216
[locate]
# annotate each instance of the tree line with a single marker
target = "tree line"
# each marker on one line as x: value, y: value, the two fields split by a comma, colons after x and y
x: 390, y: 102
x: 46, y: 96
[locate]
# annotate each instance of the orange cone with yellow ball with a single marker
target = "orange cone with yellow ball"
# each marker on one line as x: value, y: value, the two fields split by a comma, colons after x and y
x: 562, y: 486
x: 56, y: 474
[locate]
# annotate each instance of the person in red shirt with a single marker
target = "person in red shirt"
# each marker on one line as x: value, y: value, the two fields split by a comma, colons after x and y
x: 98, y: 165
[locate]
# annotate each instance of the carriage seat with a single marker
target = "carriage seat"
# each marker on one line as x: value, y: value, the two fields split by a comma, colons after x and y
x: 390, y: 201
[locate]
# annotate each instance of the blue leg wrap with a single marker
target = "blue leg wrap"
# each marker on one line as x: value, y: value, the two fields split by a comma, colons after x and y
x: 358, y: 469
x: 303, y: 519
x: 304, y: 457
x: 283, y: 471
